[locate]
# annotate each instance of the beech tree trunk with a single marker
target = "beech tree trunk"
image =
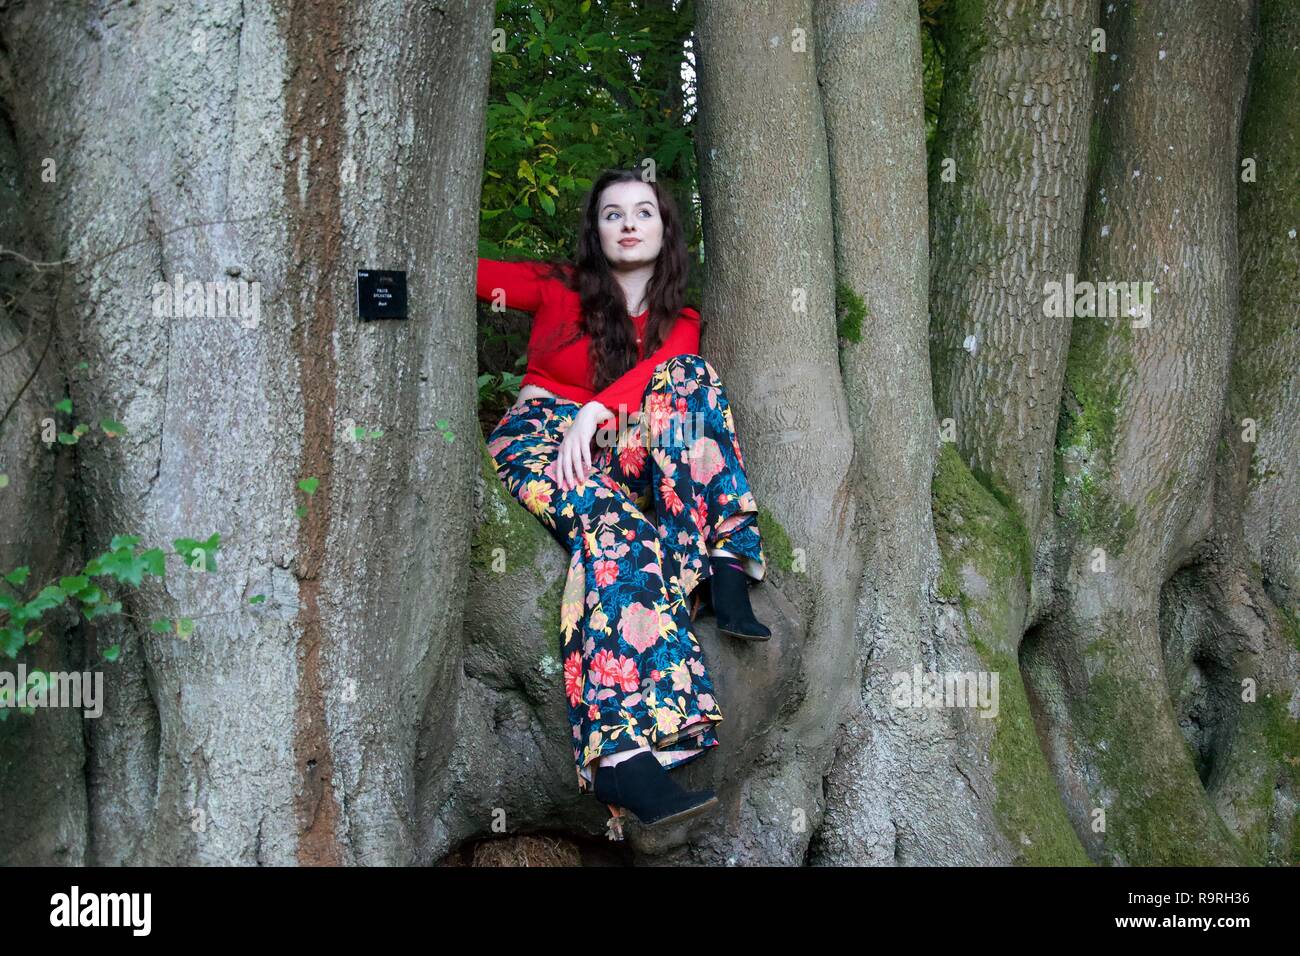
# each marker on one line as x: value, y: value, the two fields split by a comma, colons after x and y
x: 289, y: 145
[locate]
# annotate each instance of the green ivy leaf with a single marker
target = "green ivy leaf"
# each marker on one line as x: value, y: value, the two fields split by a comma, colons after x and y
x: 155, y: 562
x: 65, y: 405
x: 257, y: 599
x: 206, y: 560
x: 309, y: 485
x: 111, y: 428
x: 67, y: 438
x: 51, y: 596
x: 18, y: 576
x: 113, y: 653
x: 89, y: 595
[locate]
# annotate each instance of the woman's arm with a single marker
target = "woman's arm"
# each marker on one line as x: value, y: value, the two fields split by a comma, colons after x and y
x: 516, y: 285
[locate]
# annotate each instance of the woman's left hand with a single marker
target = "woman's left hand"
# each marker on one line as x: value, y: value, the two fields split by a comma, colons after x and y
x: 573, y: 460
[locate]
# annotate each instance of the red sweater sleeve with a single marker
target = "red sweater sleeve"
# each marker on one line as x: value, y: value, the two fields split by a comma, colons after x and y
x: 520, y: 282
x: 629, y: 388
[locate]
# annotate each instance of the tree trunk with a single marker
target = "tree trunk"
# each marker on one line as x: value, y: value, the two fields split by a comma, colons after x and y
x: 42, y: 755
x: 1141, y: 420
x: 287, y: 145
x: 769, y: 291
x: 905, y: 785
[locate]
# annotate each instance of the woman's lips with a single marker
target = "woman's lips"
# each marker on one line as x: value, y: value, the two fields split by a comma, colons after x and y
x: 628, y: 242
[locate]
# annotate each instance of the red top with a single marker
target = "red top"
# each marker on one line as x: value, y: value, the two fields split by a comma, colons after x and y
x: 565, y: 370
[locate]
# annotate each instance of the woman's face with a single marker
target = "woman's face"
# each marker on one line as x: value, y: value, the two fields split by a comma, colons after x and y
x: 631, y: 232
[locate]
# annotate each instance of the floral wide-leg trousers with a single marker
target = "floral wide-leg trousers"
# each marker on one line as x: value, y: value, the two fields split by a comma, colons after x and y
x: 634, y: 674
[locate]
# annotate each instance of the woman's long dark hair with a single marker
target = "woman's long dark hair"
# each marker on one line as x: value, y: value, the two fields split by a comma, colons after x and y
x: 604, y: 307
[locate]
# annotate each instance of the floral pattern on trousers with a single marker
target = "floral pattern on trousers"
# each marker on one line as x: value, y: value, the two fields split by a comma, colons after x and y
x: 634, y: 673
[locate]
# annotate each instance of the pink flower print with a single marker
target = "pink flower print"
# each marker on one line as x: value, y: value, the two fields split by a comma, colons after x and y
x: 573, y: 678
x: 593, y: 712
x: 705, y: 701
x: 606, y: 572
x: 681, y: 677
x: 700, y: 512
x: 627, y: 679
x: 639, y: 626
x: 631, y: 460
x: 706, y: 460
x: 671, y: 501
x: 667, y: 720
x: 604, y: 668
x: 659, y: 407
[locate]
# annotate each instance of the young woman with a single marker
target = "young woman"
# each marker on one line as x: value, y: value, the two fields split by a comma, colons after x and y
x: 613, y: 356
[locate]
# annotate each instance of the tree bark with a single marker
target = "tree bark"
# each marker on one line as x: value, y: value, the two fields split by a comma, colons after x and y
x: 769, y: 291
x: 288, y: 145
x: 1139, y: 428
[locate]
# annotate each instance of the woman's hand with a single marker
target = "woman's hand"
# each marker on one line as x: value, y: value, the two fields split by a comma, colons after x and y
x: 573, y: 460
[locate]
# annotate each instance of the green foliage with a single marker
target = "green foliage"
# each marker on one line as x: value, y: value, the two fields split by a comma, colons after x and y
x: 201, y: 555
x: 578, y: 88
x: 931, y: 67
x: 498, y: 388
x: 121, y: 563
x: 850, y: 310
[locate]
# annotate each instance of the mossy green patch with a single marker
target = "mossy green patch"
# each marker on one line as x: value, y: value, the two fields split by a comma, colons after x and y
x: 979, y: 528
x: 974, y: 525
x: 506, y: 525
x: 1096, y: 372
x: 1158, y: 814
x: 1029, y: 807
x: 548, y: 615
x: 777, y: 549
x: 850, y: 310
x: 1272, y: 738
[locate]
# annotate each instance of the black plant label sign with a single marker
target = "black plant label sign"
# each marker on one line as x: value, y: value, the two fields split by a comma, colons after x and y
x: 381, y: 294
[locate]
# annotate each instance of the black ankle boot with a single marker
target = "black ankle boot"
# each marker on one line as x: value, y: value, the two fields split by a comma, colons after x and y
x: 643, y: 786
x: 729, y: 595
